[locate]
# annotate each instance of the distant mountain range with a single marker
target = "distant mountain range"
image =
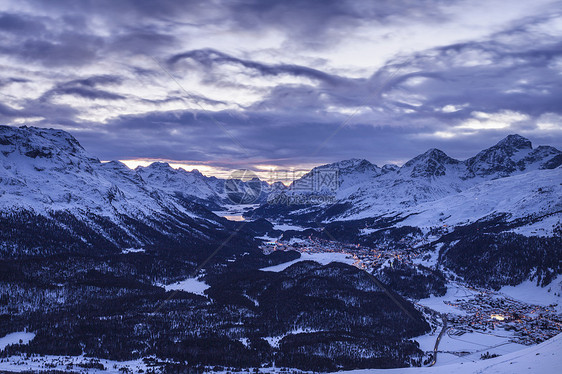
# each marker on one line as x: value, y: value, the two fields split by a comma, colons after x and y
x: 366, y: 190
x: 56, y: 197
x: 493, y: 219
x: 47, y: 174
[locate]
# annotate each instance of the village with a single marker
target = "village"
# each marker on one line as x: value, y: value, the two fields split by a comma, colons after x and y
x: 488, y: 311
x: 365, y: 258
x: 477, y: 310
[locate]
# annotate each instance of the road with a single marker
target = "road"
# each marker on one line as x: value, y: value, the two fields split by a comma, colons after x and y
x: 438, y: 340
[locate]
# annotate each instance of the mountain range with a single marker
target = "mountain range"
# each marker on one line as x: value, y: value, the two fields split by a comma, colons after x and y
x: 94, y: 256
x: 511, y: 170
x: 56, y: 197
x: 48, y: 178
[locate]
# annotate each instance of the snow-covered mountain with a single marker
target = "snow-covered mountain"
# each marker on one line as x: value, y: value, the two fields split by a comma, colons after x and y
x: 493, y: 219
x: 431, y: 164
x: 182, y: 183
x: 48, y: 179
x: 512, y: 155
x: 194, y: 186
x: 50, y: 184
x: 365, y: 190
x: 532, y: 201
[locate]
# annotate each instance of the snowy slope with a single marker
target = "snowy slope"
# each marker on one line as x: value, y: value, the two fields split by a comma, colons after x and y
x: 21, y: 337
x: 46, y: 173
x: 434, y: 175
x: 43, y: 170
x: 193, y: 185
x: 537, y: 194
x: 529, y: 292
x: 340, y: 175
x: 188, y: 184
x: 512, y: 155
x: 367, y: 190
x: 543, y: 358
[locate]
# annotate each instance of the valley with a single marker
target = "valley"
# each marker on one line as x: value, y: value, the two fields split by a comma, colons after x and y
x: 105, y: 268
x: 280, y: 186
x: 472, y: 313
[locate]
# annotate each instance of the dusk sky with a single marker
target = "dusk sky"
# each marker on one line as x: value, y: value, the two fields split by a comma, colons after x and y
x: 221, y: 85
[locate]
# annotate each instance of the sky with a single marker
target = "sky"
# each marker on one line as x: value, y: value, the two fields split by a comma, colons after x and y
x: 221, y: 85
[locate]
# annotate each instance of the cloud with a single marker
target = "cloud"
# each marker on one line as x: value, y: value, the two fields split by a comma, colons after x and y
x: 250, y: 82
x: 67, y: 49
x: 15, y: 23
x: 86, y: 88
x: 320, y: 24
x: 210, y: 57
x: 8, y: 80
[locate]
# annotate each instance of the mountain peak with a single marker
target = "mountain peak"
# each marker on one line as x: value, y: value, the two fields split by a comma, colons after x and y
x: 502, y: 159
x: 515, y: 141
x: 116, y: 166
x: 434, y: 154
x: 39, y: 136
x: 348, y: 166
x: 356, y: 165
x: 41, y: 143
x: 431, y: 163
x: 350, y: 163
x: 157, y: 165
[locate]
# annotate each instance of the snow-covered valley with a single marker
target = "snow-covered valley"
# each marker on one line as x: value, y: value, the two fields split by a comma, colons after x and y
x: 145, y: 269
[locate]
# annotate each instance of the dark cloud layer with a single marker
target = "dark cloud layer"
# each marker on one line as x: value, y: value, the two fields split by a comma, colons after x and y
x: 96, y: 65
x: 86, y: 88
x: 210, y: 57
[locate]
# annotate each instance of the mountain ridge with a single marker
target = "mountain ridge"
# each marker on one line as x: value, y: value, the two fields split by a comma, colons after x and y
x: 433, y: 174
x: 45, y: 170
x: 50, y: 184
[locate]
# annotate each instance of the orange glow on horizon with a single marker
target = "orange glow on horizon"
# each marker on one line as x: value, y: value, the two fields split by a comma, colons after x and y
x: 266, y: 172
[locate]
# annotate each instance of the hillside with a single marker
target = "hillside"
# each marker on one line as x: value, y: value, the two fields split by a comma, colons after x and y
x: 366, y: 191
x: 57, y: 198
x: 541, y: 358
